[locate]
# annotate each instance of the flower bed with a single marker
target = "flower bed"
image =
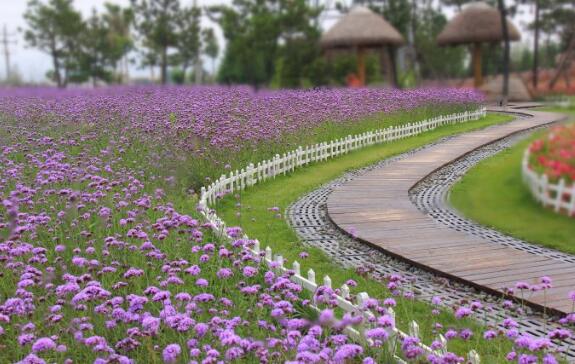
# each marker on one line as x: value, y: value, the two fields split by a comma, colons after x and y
x: 223, y: 128
x: 104, y: 259
x: 549, y: 169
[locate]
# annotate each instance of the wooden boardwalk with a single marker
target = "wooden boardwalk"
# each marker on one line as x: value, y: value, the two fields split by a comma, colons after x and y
x: 376, y: 208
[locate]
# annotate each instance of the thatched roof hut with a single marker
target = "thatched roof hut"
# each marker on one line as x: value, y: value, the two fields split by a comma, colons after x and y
x: 477, y: 23
x: 360, y: 29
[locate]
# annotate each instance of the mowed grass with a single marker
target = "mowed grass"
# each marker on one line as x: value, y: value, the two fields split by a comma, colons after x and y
x: 493, y: 194
x: 250, y: 210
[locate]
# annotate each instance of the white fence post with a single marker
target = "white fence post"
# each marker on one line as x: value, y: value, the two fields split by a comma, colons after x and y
x: 555, y: 195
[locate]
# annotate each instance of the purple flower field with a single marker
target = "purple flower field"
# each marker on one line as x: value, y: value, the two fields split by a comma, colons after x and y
x: 103, y: 257
x: 229, y: 126
x: 222, y: 117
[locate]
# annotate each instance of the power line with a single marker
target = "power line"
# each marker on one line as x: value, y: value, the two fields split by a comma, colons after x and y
x: 6, y: 42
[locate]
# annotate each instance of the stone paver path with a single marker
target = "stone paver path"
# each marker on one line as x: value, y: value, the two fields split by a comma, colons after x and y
x: 376, y: 209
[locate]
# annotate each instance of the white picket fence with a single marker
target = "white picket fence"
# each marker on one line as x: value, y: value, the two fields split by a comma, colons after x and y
x: 288, y: 162
x: 558, y: 196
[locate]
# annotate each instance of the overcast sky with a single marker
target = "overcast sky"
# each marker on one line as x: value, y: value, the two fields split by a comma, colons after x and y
x: 33, y: 64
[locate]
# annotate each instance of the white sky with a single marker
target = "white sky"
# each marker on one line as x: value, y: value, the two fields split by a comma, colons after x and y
x: 33, y: 64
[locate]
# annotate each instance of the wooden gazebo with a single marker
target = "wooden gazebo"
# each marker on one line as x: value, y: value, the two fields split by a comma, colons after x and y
x: 477, y: 23
x: 362, y: 29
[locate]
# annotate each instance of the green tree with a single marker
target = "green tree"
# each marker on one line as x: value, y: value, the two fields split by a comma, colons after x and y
x: 55, y: 28
x: 298, y: 43
x: 256, y: 32
x: 188, y: 42
x: 457, y: 3
x: 558, y: 19
x: 119, y: 21
x: 104, y: 43
x: 91, y: 60
x: 211, y: 46
x: 506, y: 50
x: 431, y: 58
x: 157, y: 23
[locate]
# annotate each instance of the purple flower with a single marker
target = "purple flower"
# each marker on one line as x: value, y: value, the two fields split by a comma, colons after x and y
x: 171, y: 353
x: 346, y: 352
x: 463, y: 312
x: 489, y: 334
x: 249, y: 271
x: 201, y: 282
x: 378, y: 333
x: 201, y: 329
x: 43, y: 344
x: 549, y: 359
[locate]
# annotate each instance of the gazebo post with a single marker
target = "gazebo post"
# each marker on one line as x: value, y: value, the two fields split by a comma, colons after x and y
x: 361, y: 65
x: 477, y: 72
x: 392, y: 66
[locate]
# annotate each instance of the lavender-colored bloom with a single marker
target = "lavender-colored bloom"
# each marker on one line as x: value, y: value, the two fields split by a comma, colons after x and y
x: 43, y: 344
x: 463, y: 312
x: 171, y: 353
x: 346, y: 352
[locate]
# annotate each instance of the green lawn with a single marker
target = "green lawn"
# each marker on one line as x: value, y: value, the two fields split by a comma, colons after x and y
x: 493, y: 194
x: 250, y: 211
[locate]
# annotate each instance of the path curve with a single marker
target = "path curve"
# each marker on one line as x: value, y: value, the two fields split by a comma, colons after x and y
x: 376, y: 209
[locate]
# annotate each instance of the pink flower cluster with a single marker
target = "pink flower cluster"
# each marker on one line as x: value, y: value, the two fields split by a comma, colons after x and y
x: 554, y: 154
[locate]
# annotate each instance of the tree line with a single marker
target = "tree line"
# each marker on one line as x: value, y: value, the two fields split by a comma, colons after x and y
x: 162, y: 32
x: 268, y: 42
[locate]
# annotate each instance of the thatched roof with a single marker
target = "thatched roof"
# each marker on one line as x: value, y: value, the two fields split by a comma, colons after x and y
x: 361, y: 27
x: 477, y: 23
x: 517, y: 89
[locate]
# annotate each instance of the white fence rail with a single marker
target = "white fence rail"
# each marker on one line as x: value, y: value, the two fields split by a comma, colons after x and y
x: 251, y: 175
x: 558, y: 196
x: 288, y: 162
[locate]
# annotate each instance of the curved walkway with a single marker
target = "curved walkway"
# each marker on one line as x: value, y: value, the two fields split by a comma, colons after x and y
x: 376, y: 209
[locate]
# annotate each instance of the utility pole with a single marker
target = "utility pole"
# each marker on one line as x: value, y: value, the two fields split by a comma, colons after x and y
x: 6, y: 42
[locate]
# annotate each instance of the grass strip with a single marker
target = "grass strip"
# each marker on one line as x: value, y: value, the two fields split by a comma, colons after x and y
x: 493, y: 194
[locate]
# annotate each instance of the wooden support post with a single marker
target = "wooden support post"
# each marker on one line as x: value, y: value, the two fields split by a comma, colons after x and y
x: 477, y: 74
x: 392, y: 66
x: 361, y: 65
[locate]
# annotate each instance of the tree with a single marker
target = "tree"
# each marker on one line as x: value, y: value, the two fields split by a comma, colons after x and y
x: 188, y: 42
x: 506, y: 50
x: 256, y: 31
x: 211, y: 46
x: 119, y: 22
x: 55, y: 28
x: 157, y: 24
x: 92, y: 60
x: 299, y: 43
x: 457, y: 3
x: 103, y: 43
x: 398, y: 13
x: 536, y: 44
x: 432, y: 58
